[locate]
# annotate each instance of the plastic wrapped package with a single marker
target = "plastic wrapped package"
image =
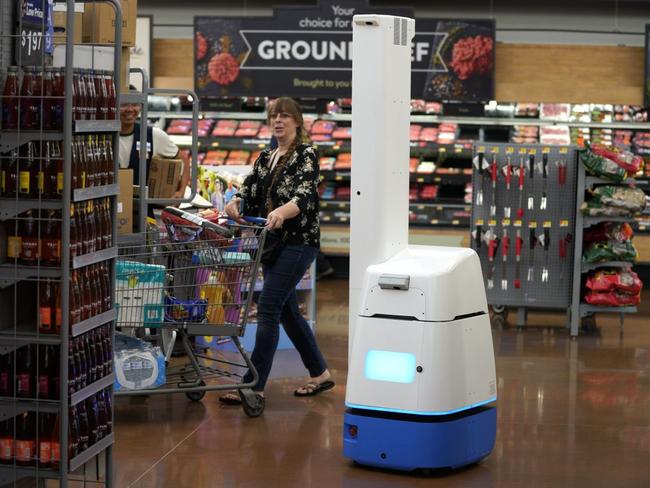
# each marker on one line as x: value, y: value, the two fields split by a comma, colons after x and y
x: 609, y: 231
x: 625, y: 197
x: 612, y: 299
x: 599, y: 252
x: 601, y: 166
x: 138, y: 365
x: 595, y: 208
x: 621, y: 280
x: 625, y: 159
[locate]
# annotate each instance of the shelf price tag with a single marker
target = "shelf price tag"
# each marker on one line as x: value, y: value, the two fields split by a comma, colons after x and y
x: 480, y: 149
x: 532, y: 151
x: 548, y: 224
x: 564, y: 223
x: 434, y: 221
x: 492, y: 223
x: 215, y: 144
x: 517, y: 223
x: 442, y: 149
x: 437, y: 179
x: 510, y: 150
x: 505, y: 222
x: 532, y: 225
x: 495, y: 150
x: 523, y: 151
x: 564, y: 150
x: 479, y: 222
x: 455, y: 222
x: 546, y: 150
x: 458, y: 150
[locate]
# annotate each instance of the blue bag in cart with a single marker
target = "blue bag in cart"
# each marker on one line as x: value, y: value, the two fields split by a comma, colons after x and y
x: 138, y: 364
x: 139, y: 292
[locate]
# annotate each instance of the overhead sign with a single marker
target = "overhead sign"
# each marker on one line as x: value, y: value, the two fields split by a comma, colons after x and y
x: 307, y: 52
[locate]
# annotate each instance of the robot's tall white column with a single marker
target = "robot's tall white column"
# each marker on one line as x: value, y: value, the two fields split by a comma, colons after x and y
x: 381, y: 94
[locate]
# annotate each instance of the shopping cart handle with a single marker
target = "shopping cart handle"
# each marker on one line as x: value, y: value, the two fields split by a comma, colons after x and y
x: 255, y: 220
x: 200, y: 221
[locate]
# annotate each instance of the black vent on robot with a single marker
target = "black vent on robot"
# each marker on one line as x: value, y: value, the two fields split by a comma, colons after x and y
x: 396, y: 31
x: 403, y: 38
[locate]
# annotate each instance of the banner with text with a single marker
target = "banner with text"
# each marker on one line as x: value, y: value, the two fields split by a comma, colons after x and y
x: 307, y: 52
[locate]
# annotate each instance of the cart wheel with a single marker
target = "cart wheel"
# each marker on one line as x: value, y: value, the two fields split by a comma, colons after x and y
x: 196, y: 396
x: 252, y: 403
x: 499, y: 322
x: 500, y: 310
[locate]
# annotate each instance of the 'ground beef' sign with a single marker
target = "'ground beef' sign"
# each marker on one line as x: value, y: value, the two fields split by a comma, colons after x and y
x: 307, y: 52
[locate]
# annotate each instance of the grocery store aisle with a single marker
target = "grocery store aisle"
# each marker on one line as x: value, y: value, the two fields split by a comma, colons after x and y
x: 571, y: 413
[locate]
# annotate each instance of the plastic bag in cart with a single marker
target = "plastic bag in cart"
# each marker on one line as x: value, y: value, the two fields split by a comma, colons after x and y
x: 138, y: 364
x: 191, y: 310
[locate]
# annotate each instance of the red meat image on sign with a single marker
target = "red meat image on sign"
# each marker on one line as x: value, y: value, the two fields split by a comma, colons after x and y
x: 472, y: 55
x: 223, y: 68
x: 201, y: 46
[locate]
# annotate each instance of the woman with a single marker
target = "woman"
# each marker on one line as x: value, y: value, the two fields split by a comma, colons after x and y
x: 283, y: 187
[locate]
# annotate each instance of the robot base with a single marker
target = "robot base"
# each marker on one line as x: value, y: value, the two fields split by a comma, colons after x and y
x: 408, y: 442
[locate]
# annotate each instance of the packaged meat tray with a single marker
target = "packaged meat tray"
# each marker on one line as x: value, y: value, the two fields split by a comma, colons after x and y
x: 555, y: 111
x: 413, y: 193
x: 342, y: 133
x: 429, y: 134
x: 433, y: 108
x: 602, y: 113
x: 326, y: 163
x: 413, y: 164
x: 215, y: 157
x: 250, y: 124
x: 343, y: 193
x: 526, y: 110
x: 343, y: 161
x: 426, y: 167
x: 238, y: 158
x: 418, y: 106
x: 265, y: 132
x: 323, y: 127
x: 225, y: 128
x: 429, y: 192
x: 321, y: 137
x: 559, y: 135
x: 414, y: 132
x: 246, y: 132
x: 580, y: 112
x: 179, y: 127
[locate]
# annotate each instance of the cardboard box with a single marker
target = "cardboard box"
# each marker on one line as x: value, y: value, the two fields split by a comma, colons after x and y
x: 99, y: 23
x: 60, y: 34
x: 125, y: 69
x: 125, y: 202
x: 164, y: 177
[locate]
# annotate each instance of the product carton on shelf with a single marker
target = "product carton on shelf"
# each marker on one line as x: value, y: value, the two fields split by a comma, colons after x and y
x: 60, y: 34
x: 164, y: 177
x: 125, y: 202
x: 99, y: 23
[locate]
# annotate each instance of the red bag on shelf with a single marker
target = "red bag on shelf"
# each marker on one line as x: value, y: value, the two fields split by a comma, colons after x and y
x: 612, y: 299
x: 621, y: 280
x: 608, y: 231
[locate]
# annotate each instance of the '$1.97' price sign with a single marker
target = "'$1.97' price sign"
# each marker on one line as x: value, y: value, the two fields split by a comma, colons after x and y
x: 30, y: 45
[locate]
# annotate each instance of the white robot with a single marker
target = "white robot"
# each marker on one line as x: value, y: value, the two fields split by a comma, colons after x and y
x: 421, y: 379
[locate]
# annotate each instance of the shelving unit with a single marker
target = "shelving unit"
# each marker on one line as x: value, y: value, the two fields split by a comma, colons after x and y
x: 579, y: 309
x: 27, y: 308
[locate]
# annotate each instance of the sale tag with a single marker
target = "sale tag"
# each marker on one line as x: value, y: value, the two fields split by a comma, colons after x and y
x: 532, y: 225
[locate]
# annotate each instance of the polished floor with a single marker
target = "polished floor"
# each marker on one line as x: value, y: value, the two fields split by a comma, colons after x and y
x: 570, y: 414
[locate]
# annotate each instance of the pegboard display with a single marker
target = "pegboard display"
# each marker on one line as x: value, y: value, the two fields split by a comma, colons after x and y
x: 523, y: 222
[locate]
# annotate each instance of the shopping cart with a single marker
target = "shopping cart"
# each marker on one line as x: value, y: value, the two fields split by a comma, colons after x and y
x: 192, y: 277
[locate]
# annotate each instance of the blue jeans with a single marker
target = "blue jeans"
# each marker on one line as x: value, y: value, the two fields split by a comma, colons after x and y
x: 278, y: 302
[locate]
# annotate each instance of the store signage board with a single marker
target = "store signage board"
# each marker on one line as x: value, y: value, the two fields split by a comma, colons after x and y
x: 35, y: 31
x: 306, y: 52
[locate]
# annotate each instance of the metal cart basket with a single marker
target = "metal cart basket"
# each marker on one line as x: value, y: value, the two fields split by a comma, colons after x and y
x: 192, y: 277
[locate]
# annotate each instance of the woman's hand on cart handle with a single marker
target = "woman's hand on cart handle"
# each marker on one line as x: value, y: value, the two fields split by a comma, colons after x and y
x: 232, y: 209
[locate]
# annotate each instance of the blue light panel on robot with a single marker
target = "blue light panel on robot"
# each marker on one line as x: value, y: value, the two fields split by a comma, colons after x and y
x: 396, y: 367
x: 415, y: 412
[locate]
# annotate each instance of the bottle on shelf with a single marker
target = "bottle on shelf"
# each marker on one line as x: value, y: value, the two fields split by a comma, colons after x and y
x: 55, y: 443
x: 83, y: 363
x: 49, y: 100
x: 101, y: 99
x: 46, y: 315
x: 29, y: 242
x: 102, y: 417
x: 52, y: 166
x: 27, y: 171
x: 30, y: 92
x: 25, y: 371
x: 58, y: 311
x: 59, y: 97
x: 48, y: 368
x: 84, y: 427
x: 26, y: 439
x: 75, y: 300
x: 75, y: 238
x: 10, y: 174
x: 73, y: 434
x: 51, y: 238
x: 7, y: 374
x: 73, y: 371
x: 109, y: 80
x: 99, y: 353
x: 93, y: 423
x: 109, y: 160
x: 90, y: 358
x: 10, y: 104
x: 7, y: 442
x: 45, y: 440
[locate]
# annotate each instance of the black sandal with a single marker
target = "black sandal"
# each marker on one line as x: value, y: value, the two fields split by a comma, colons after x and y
x: 231, y: 398
x: 313, y: 388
